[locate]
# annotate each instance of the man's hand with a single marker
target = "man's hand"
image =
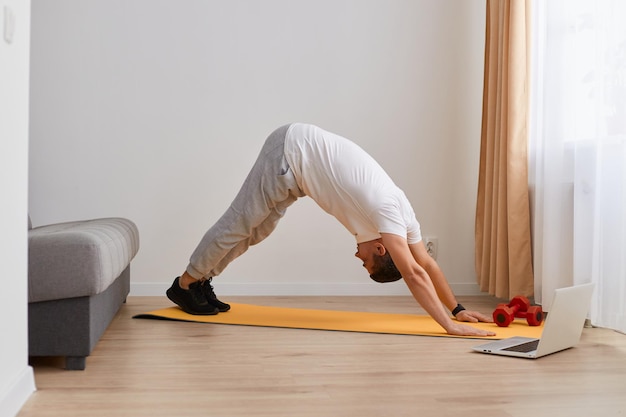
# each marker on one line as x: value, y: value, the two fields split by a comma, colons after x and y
x: 465, y: 330
x: 473, y: 317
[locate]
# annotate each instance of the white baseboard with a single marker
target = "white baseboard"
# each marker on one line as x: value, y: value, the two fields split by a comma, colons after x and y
x: 17, y: 393
x: 300, y: 289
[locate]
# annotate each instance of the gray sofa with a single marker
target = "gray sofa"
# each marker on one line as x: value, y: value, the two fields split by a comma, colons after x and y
x: 78, y: 278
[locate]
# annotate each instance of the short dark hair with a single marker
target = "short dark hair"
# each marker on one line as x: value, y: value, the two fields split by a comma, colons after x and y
x: 384, y: 269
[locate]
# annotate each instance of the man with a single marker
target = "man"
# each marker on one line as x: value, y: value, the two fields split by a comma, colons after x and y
x: 300, y: 160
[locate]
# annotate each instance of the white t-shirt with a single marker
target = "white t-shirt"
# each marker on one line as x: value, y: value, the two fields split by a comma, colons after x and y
x: 346, y: 182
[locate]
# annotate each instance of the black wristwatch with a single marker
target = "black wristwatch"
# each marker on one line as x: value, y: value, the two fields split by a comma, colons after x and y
x: 457, y: 309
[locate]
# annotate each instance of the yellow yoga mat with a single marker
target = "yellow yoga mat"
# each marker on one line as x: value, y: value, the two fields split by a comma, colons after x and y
x: 348, y: 321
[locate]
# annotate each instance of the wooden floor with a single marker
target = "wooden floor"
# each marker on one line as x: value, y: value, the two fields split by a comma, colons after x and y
x: 163, y: 368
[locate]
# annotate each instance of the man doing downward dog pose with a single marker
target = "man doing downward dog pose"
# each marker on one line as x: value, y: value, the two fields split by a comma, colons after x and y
x: 300, y: 160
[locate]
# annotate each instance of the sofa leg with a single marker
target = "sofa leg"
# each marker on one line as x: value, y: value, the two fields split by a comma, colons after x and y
x: 75, y: 363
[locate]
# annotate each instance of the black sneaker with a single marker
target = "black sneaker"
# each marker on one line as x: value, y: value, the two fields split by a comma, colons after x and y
x: 191, y: 301
x: 209, y: 294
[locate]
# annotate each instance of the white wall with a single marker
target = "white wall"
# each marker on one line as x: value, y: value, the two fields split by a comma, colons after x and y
x: 155, y: 110
x: 16, y: 377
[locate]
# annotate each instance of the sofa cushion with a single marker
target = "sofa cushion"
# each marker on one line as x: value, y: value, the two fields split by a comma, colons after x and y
x: 80, y: 258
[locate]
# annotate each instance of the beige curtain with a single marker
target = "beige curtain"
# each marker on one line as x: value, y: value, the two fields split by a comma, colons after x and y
x: 503, y: 243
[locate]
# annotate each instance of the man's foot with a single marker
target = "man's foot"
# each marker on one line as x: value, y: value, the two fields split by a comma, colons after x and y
x: 191, y: 301
x: 209, y: 294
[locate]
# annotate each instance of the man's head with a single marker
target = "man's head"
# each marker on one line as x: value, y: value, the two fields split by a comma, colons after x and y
x: 377, y: 261
x: 384, y: 269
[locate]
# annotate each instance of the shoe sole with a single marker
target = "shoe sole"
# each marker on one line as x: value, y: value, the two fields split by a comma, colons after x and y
x: 173, y: 298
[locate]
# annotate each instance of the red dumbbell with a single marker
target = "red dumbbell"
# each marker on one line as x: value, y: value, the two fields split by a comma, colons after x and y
x: 519, y: 307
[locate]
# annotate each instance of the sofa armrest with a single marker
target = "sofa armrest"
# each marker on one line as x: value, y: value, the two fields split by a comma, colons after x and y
x: 77, y: 259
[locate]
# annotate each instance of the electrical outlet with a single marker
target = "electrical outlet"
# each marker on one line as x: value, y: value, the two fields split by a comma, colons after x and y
x: 432, y: 246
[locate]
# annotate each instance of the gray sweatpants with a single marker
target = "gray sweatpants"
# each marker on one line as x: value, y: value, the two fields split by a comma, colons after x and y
x: 254, y: 213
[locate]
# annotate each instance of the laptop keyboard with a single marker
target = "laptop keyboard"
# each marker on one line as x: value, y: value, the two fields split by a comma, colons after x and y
x: 524, y: 347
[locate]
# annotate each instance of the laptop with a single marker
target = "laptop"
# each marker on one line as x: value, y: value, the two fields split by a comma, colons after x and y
x: 562, y: 328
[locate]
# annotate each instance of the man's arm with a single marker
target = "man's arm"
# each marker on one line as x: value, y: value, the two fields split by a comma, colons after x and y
x: 444, y: 292
x: 422, y: 288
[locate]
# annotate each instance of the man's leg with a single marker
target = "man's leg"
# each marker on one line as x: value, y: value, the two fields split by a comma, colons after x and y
x: 263, y: 199
x: 254, y: 213
x: 237, y: 247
